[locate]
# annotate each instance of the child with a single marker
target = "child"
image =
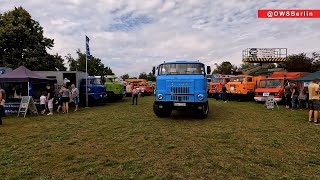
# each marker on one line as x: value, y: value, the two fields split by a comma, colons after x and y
x: 43, y: 103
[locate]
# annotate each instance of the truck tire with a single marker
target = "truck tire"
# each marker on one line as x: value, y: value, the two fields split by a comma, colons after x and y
x: 203, y: 113
x: 162, y: 112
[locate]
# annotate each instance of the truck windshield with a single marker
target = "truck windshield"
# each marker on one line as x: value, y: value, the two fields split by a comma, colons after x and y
x: 218, y: 80
x: 178, y: 68
x: 237, y: 79
x: 96, y: 81
x: 271, y: 83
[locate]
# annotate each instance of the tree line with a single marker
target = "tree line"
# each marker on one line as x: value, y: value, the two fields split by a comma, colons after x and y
x: 22, y: 43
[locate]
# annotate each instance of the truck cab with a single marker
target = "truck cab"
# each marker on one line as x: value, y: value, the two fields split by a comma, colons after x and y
x: 242, y: 87
x: 96, y: 91
x: 274, y: 85
x: 181, y: 85
x: 114, y: 87
x: 215, y: 87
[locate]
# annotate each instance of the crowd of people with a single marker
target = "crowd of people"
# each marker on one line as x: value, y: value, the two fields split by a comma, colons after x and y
x: 306, y: 98
x: 62, y: 99
x: 296, y: 99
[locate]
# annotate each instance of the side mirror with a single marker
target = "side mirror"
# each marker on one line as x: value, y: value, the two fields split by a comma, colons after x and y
x: 153, y: 70
x: 208, y: 70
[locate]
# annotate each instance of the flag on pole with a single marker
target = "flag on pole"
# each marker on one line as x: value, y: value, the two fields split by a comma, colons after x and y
x: 87, y: 48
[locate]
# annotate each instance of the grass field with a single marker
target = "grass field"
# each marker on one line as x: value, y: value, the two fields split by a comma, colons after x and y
x: 238, y: 140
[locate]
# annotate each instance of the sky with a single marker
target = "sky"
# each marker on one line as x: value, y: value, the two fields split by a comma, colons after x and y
x: 132, y: 36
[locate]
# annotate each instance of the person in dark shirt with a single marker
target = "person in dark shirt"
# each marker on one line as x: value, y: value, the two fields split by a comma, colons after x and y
x: 224, y: 93
x: 294, y: 95
x: 288, y: 93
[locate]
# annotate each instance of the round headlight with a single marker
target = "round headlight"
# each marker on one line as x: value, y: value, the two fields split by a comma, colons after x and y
x: 200, y: 97
x: 160, y: 96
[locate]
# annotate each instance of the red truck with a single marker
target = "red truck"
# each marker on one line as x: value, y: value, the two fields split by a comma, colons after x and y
x: 274, y: 85
x: 215, y: 87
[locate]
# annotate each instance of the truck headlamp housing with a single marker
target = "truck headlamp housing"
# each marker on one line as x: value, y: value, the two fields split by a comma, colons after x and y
x: 160, y: 96
x: 200, y: 97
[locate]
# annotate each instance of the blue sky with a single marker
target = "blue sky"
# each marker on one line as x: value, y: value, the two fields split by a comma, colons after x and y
x: 131, y: 36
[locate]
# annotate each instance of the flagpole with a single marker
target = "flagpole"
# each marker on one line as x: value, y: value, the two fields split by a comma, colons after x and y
x: 87, y: 100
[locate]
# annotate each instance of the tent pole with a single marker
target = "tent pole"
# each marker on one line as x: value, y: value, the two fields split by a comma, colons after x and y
x: 28, y: 87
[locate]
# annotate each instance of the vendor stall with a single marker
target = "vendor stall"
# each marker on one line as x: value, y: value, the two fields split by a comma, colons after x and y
x: 22, y: 82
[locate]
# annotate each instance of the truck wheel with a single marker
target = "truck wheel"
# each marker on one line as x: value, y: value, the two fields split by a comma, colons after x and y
x: 165, y: 111
x: 203, y: 113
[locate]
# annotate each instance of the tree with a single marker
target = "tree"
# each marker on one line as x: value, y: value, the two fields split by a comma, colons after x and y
x: 95, y: 66
x: 22, y: 43
x: 143, y: 76
x: 247, y: 65
x: 151, y: 77
x: 125, y: 76
x: 298, y: 63
x: 225, y: 68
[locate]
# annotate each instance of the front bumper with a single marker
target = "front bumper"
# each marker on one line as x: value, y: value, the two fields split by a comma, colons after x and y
x: 188, y: 104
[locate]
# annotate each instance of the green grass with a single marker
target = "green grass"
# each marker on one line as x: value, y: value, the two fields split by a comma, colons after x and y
x: 238, y: 140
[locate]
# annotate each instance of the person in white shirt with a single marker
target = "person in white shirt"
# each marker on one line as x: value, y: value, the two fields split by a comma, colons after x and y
x: 142, y: 91
x: 135, y: 93
x: 43, y: 103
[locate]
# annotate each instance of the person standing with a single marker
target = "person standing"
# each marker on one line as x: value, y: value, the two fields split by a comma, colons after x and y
x: 60, y: 100
x: 142, y: 91
x: 294, y: 95
x: 66, y: 94
x: 43, y: 103
x: 135, y: 93
x: 224, y: 93
x: 50, y: 98
x: 75, y: 96
x: 288, y: 93
x: 314, y: 106
x: 2, y: 101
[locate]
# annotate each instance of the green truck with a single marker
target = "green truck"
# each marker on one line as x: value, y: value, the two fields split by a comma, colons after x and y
x: 114, y: 87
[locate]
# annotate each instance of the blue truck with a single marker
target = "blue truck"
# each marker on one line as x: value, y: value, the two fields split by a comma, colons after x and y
x: 96, y: 91
x: 181, y: 85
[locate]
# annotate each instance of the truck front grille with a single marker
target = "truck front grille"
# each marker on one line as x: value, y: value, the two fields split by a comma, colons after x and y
x: 180, y: 98
x: 180, y: 90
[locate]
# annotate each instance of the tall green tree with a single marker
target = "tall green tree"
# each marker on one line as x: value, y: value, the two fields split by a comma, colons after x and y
x: 95, y: 66
x: 225, y: 68
x: 298, y: 63
x: 22, y: 43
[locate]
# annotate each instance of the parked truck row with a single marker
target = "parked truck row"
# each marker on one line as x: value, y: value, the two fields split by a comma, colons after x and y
x: 258, y: 88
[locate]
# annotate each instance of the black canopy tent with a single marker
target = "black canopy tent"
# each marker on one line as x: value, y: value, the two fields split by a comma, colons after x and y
x: 24, y: 75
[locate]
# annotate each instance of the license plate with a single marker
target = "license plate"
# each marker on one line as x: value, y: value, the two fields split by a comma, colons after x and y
x: 266, y: 94
x: 180, y: 104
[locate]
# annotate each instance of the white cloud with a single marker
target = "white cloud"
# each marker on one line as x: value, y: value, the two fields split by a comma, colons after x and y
x: 131, y: 36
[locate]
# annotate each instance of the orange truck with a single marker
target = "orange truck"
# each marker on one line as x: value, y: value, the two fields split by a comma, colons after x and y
x: 148, y: 89
x: 140, y: 83
x: 274, y: 85
x: 215, y: 87
x: 242, y: 87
